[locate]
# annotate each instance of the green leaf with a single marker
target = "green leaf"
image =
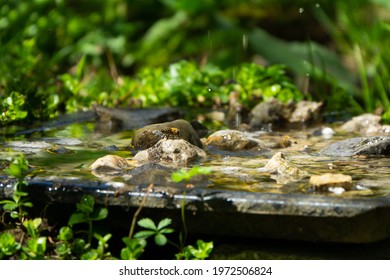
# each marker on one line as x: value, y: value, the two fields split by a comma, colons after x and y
x: 65, y: 233
x: 163, y: 223
x: 99, y: 214
x: 78, y: 246
x: 147, y: 223
x: 90, y: 255
x: 144, y: 234
x: 78, y: 218
x: 166, y: 230
x: 160, y: 239
x: 8, y: 244
x: 14, y: 215
x: 27, y: 204
x: 134, y: 248
x: 10, y: 206
x: 6, y: 202
x: 86, y: 204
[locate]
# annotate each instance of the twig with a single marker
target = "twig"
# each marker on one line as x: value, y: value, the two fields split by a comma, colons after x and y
x: 139, y: 210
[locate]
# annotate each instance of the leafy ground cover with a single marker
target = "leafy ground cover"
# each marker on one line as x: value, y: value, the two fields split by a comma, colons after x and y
x: 27, y: 237
x: 60, y: 56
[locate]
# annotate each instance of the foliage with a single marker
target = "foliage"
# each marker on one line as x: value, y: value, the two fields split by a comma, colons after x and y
x: 158, y: 231
x: 12, y: 108
x: 8, y: 245
x: 186, y: 175
x: 364, y: 41
x: 17, y: 206
x: 60, y: 56
x: 70, y: 244
x: 87, y: 213
x: 201, y: 252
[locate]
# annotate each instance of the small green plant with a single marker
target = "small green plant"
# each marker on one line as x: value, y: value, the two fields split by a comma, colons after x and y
x: 8, y: 245
x: 204, y: 248
x: 17, y: 206
x: 100, y: 253
x: 201, y: 252
x: 11, y: 108
x: 186, y: 175
x: 87, y: 213
x: 134, y: 248
x: 36, y: 244
x: 158, y: 231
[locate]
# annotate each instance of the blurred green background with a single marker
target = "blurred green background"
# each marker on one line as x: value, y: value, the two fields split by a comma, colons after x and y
x: 61, y: 56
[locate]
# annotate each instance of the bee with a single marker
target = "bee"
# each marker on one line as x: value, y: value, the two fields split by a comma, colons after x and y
x: 171, y: 132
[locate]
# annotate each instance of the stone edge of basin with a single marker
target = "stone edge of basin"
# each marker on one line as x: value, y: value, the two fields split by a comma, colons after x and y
x: 201, y: 199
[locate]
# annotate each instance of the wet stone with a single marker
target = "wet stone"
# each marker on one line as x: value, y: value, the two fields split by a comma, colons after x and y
x: 171, y: 152
x: 233, y: 140
x: 329, y: 180
x: 367, y: 146
x: 275, y: 112
x: 151, y: 173
x: 109, y: 163
x: 148, y: 136
x: 366, y: 124
x: 60, y: 150
x: 282, y: 170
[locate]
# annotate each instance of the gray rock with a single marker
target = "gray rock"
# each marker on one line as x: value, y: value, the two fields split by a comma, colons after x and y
x: 266, y: 112
x: 171, y: 152
x: 275, y: 112
x: 366, y: 124
x: 369, y: 146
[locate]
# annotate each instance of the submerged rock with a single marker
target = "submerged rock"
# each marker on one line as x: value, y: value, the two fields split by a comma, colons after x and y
x: 148, y: 136
x: 233, y: 140
x: 171, y: 152
x: 329, y: 180
x: 151, y: 173
x: 368, y: 146
x: 282, y: 170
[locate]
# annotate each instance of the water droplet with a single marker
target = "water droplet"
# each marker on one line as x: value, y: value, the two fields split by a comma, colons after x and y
x: 244, y: 41
x: 307, y: 75
x: 209, y: 89
x: 317, y: 5
x: 301, y: 10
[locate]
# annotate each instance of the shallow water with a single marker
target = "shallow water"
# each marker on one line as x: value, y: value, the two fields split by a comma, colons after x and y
x: 231, y: 170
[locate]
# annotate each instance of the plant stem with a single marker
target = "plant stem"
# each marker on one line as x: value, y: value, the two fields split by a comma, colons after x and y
x: 183, y: 219
x: 89, y: 231
x: 133, y: 222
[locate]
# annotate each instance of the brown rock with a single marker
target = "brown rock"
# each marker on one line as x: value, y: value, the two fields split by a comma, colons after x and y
x: 148, y: 136
x: 328, y: 180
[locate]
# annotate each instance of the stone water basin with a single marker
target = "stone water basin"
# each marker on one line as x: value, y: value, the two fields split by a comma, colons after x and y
x: 238, y: 198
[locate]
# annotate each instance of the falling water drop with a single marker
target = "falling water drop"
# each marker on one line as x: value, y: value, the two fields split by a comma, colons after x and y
x: 244, y: 41
x: 301, y: 10
x: 317, y: 5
